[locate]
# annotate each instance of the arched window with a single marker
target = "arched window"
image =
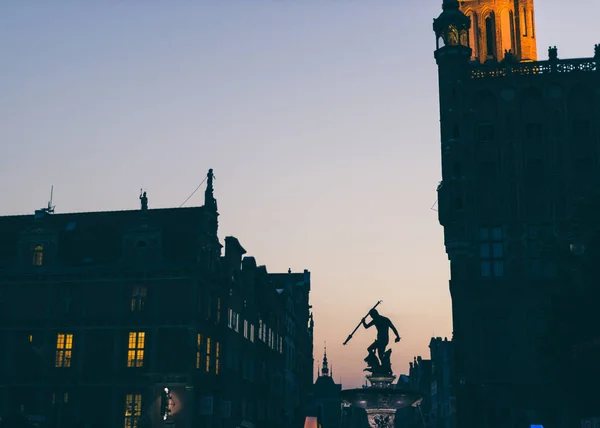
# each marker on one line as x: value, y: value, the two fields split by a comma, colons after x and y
x: 452, y: 36
x: 463, y: 38
x: 38, y: 255
x: 490, y: 37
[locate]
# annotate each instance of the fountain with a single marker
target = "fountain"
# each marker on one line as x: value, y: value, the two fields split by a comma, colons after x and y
x: 382, y: 398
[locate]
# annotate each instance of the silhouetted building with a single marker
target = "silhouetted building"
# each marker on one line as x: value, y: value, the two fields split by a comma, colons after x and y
x: 419, y: 379
x: 328, y: 398
x: 297, y: 379
x: 519, y: 140
x: 443, y: 401
x: 133, y: 318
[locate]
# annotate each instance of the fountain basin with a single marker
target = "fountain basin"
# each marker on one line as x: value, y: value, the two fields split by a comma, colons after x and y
x: 373, y: 398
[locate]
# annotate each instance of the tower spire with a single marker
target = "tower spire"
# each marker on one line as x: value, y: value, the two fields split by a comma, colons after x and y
x: 325, y: 369
x: 209, y: 197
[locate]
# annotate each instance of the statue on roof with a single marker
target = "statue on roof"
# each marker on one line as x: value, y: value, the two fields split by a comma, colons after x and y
x: 144, y: 200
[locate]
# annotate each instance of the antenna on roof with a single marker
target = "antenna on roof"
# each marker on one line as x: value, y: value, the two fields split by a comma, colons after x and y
x: 50, y: 208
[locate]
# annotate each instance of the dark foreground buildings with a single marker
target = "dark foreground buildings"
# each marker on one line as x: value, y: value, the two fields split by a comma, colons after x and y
x: 520, y: 145
x: 134, y: 319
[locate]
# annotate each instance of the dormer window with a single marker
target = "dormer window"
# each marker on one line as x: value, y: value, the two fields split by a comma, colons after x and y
x: 38, y: 255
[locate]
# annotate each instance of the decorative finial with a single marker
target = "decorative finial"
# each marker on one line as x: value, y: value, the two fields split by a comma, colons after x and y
x: 597, y: 52
x: 143, y: 200
x: 290, y: 270
x: 552, y: 53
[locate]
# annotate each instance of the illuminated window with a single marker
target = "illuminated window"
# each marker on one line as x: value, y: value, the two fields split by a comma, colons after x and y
x: 30, y: 338
x: 217, y: 356
x: 251, y: 332
x: 64, y: 348
x: 246, y: 329
x: 138, y: 297
x: 38, y: 255
x: 133, y: 410
x: 491, y: 251
x: 199, y: 351
x: 207, y: 365
x: 135, y: 353
x: 236, y: 322
x: 260, y: 324
x: 230, y: 318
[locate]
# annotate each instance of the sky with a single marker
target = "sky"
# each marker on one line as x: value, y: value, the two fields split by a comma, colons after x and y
x: 319, y: 117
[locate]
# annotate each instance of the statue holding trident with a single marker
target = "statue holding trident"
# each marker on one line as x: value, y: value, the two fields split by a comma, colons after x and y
x: 378, y: 358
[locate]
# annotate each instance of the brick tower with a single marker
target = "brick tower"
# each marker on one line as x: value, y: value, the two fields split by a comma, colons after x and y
x: 499, y: 26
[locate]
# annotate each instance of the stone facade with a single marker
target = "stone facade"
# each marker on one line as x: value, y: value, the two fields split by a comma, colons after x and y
x: 519, y: 145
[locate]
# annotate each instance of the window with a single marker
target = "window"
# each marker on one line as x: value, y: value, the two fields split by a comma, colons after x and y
x: 491, y: 251
x: 485, y: 133
x: 207, y: 365
x: 251, y: 332
x: 490, y: 36
x: 260, y: 330
x: 525, y: 25
x: 133, y: 410
x: 537, y: 238
x: 218, y: 310
x: 138, y: 297
x: 199, y: 351
x: 233, y: 321
x: 64, y: 348
x: 38, y: 255
x: 245, y: 329
x: 57, y: 396
x: 135, y: 353
x: 217, y: 356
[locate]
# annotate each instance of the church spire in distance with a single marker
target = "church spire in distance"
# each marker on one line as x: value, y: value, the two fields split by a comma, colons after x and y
x: 325, y: 369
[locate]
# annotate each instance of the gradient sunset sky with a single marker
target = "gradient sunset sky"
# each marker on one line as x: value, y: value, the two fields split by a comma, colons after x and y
x: 319, y: 117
